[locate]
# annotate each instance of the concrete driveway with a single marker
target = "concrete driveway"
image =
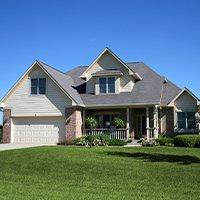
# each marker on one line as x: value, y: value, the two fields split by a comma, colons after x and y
x: 4, y: 147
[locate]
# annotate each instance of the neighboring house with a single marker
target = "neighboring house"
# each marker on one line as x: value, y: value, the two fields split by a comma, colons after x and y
x: 48, y: 106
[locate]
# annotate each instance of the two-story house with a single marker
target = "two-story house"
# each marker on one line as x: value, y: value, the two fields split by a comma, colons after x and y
x: 47, y: 106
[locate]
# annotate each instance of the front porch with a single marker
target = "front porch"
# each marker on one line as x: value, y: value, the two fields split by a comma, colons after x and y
x: 140, y: 122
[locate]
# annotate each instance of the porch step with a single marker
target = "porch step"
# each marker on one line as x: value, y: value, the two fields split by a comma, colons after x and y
x: 134, y: 143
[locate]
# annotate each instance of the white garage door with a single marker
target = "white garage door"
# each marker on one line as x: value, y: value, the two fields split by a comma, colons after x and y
x: 44, y: 130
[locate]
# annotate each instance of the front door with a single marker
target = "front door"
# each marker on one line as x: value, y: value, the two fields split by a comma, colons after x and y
x: 141, y: 126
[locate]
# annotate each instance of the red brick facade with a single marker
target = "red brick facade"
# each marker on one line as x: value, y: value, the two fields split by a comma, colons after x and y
x: 73, y: 123
x: 6, y: 126
x: 166, y: 125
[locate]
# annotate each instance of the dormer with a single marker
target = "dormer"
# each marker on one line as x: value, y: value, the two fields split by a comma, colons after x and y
x: 108, y: 74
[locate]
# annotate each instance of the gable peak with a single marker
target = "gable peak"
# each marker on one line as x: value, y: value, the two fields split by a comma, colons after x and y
x: 131, y: 72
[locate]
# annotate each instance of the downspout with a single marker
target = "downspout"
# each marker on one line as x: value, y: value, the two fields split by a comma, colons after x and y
x: 1, y: 110
x: 160, y: 105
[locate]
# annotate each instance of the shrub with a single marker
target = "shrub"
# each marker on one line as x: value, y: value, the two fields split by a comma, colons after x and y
x: 116, y: 142
x: 187, y: 140
x: 105, y: 139
x: 119, y: 122
x: 147, y: 143
x: 80, y: 141
x: 92, y: 140
x: 91, y: 122
x: 197, y: 143
x: 165, y: 141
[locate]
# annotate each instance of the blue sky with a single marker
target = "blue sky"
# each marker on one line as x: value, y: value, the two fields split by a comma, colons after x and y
x: 163, y: 34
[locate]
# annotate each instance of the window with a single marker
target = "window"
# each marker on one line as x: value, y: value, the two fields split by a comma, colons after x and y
x: 106, y: 120
x: 186, y: 120
x: 38, y: 86
x: 107, y: 85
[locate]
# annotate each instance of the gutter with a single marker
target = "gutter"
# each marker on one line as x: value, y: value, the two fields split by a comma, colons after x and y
x: 120, y: 105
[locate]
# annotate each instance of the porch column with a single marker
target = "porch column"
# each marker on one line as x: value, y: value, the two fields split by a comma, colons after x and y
x: 127, y: 123
x: 83, y: 118
x: 147, y: 123
x: 155, y: 121
x: 161, y: 120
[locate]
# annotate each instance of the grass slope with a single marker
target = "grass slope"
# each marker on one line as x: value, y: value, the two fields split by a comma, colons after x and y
x: 100, y: 173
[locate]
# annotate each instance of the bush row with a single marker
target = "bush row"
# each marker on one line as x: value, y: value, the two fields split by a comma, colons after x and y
x: 98, y: 140
x: 180, y: 141
x: 94, y: 140
x: 187, y: 141
x: 165, y: 141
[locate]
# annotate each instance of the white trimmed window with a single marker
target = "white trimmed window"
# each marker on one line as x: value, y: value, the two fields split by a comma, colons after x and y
x: 186, y: 120
x: 106, y: 120
x: 106, y: 85
x: 38, y: 86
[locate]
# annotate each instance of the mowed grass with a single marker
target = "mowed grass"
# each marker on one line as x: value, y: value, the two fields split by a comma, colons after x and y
x: 100, y: 173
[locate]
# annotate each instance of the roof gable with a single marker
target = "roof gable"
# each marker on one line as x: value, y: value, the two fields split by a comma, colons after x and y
x: 62, y: 80
x: 188, y: 92
x: 116, y: 58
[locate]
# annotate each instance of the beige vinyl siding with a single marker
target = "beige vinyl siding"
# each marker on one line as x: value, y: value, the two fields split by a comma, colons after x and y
x: 184, y: 103
x: 53, y: 103
x: 107, y: 62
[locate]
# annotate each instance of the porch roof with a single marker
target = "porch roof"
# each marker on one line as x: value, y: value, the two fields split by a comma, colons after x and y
x: 108, y: 72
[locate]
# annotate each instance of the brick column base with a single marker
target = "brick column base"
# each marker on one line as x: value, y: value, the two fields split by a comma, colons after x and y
x: 167, y: 122
x: 73, y: 123
x: 6, y: 126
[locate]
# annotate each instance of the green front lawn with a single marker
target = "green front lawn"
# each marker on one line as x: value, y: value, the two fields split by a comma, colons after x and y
x: 100, y: 173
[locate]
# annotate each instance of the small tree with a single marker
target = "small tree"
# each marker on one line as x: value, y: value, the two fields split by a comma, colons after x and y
x: 119, y: 122
x: 198, y: 116
x: 1, y: 132
x: 91, y: 122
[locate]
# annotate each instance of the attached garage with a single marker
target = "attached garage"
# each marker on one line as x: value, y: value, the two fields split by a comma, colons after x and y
x: 42, y: 130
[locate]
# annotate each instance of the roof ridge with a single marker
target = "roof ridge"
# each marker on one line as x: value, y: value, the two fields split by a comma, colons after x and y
x: 72, y: 84
x: 77, y: 67
x: 57, y: 70
x: 133, y: 62
x: 50, y: 66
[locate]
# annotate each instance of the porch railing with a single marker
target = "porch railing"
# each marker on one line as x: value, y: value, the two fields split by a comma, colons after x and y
x: 121, y: 133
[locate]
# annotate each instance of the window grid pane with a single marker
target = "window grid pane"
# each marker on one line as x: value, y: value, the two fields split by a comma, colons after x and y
x: 34, y: 86
x: 111, y: 85
x: 102, y: 85
x: 191, y: 122
x: 181, y: 120
x: 42, y: 85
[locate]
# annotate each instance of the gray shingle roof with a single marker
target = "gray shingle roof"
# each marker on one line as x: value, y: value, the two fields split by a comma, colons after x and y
x: 150, y: 90
x: 64, y: 80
